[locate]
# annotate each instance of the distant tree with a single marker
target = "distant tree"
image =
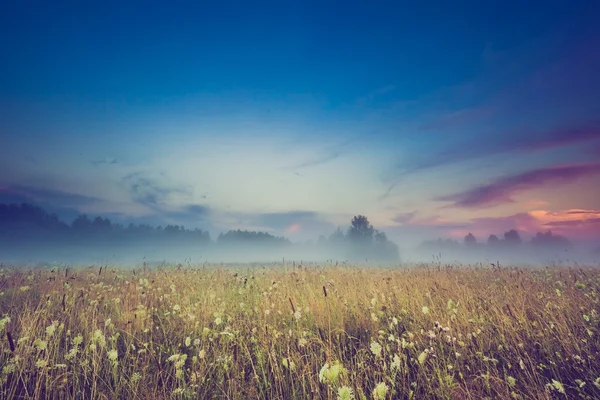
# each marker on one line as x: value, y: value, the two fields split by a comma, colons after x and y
x: 337, y: 237
x: 470, y: 240
x: 493, y: 240
x: 361, y: 231
x: 101, y: 224
x: 322, y: 240
x: 549, y: 240
x: 82, y: 223
x: 513, y: 238
x: 380, y: 237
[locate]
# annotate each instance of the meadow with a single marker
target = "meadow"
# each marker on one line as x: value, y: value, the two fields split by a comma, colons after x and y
x: 303, y: 332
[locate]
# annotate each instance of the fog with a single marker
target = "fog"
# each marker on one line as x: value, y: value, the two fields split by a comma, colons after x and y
x: 135, y: 254
x: 30, y: 235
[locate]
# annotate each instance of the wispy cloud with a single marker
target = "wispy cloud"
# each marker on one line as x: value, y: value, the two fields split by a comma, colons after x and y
x: 49, y: 196
x: 502, y: 190
x: 323, y: 156
x: 579, y: 222
x: 154, y: 190
x: 106, y: 161
x: 405, y: 218
x: 322, y: 159
x: 509, y: 142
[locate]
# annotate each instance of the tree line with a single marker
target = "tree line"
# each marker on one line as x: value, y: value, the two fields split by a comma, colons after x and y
x: 29, y: 224
x: 508, y: 245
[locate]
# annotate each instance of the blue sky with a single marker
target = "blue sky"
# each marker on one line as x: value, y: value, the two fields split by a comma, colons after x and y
x: 432, y: 119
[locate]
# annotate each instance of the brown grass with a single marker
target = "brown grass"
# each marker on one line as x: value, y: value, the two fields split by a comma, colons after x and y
x: 245, y: 333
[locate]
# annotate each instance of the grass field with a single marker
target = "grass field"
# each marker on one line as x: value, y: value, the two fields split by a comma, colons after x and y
x: 300, y: 333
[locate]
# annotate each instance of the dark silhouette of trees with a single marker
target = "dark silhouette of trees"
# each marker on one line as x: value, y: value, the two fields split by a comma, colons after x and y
x: 512, y: 238
x: 365, y: 242
x: 470, y: 240
x: 360, y: 231
x: 32, y: 226
x: 337, y: 237
x: 493, y: 240
x: 549, y: 240
x: 511, y: 245
x: 250, y: 237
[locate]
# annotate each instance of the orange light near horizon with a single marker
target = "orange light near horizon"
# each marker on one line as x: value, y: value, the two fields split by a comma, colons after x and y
x: 544, y: 216
x: 292, y: 228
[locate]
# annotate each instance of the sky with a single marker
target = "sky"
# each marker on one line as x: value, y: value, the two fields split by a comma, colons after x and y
x: 433, y: 119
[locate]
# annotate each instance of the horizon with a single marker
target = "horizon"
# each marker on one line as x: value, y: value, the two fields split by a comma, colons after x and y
x: 430, y: 121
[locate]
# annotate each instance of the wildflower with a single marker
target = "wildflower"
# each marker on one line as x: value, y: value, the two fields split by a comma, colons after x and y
x: 188, y: 341
x: 71, y: 354
x: 297, y: 315
x: 98, y: 337
x: 201, y: 354
x: 135, y: 377
x: 3, y: 322
x: 376, y: 349
x: 196, y: 342
x: 176, y: 308
x: 422, y: 357
x: 425, y: 310
x: 345, y: 393
x: 396, y: 363
x: 558, y: 386
x: 40, y: 344
x: 511, y: 381
x: 380, y: 391
x: 289, y: 364
x: 51, y: 329
x: 113, y: 355
x: 330, y: 374
x: 77, y: 340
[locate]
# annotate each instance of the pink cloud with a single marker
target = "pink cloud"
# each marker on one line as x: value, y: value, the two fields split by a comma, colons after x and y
x: 574, y: 223
x: 502, y: 190
x: 483, y: 227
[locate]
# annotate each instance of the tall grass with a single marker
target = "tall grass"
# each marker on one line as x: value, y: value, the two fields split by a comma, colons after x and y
x: 302, y: 333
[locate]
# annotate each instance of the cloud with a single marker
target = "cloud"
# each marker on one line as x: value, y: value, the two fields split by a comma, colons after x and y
x: 154, y: 191
x: 575, y: 223
x: 327, y: 154
x: 297, y: 225
x: 106, y: 161
x: 522, y: 222
x: 316, y: 161
x: 590, y: 221
x: 405, y: 218
x: 50, y: 196
x: 502, y: 190
x: 196, y: 209
x: 509, y: 142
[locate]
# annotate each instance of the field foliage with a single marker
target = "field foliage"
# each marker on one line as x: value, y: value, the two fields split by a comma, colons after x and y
x: 308, y: 332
